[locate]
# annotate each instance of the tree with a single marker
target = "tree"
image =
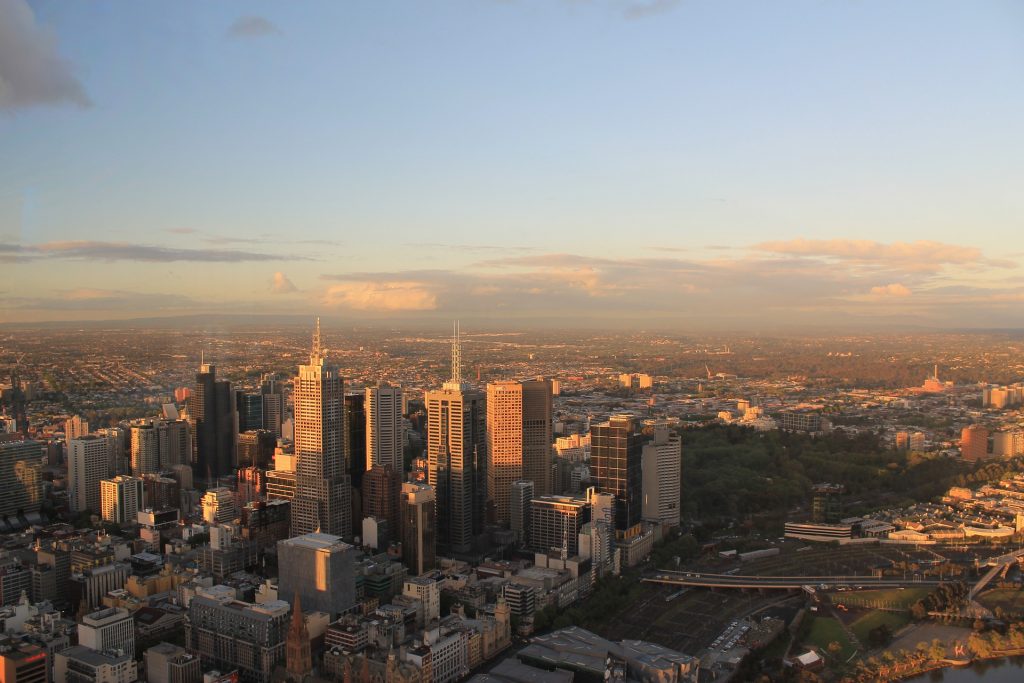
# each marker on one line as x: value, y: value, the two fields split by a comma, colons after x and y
x: 834, y: 648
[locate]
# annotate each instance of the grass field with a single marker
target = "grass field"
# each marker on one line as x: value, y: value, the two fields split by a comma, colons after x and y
x: 894, y: 620
x: 1010, y: 600
x: 892, y: 598
x: 825, y: 630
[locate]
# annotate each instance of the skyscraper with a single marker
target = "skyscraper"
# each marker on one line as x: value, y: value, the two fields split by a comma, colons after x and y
x: 273, y: 404
x: 211, y: 409
x: 322, y: 501
x: 662, y: 463
x: 616, y: 467
x: 256, y: 448
x: 320, y: 568
x: 121, y: 498
x: 88, y: 464
x: 419, y: 528
x: 518, y: 440
x: 385, y: 427
x: 145, y: 453
x: 456, y: 457
x: 250, y: 411
x: 75, y: 427
x: 519, y: 510
x: 355, y: 438
x: 381, y: 488
x: 20, y: 477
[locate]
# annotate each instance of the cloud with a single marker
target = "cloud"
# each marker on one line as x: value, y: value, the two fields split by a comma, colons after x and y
x: 282, y: 285
x: 126, y: 251
x: 648, y: 8
x: 922, y: 255
x: 388, y: 296
x: 181, y: 231
x: 91, y: 299
x: 32, y: 72
x: 252, y: 27
x: 892, y: 290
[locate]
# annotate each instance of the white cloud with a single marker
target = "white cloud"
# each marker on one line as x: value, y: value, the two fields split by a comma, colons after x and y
x: 381, y: 296
x: 892, y: 290
x: 282, y: 285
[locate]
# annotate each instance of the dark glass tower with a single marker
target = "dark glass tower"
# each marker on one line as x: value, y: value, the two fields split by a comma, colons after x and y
x: 355, y: 437
x: 616, y: 457
x: 211, y: 409
x: 250, y: 411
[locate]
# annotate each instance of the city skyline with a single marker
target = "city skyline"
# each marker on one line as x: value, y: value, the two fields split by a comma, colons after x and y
x: 581, y: 162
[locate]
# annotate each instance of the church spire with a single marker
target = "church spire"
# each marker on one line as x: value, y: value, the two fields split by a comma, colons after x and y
x: 298, y: 657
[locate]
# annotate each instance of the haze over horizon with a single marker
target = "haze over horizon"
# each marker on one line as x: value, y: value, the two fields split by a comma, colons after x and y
x: 683, y: 165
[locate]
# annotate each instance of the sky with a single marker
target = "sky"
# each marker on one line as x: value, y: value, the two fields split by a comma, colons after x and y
x: 668, y: 164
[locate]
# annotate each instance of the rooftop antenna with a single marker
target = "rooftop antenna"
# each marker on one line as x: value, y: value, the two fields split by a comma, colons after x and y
x: 456, y: 356
x: 317, y: 353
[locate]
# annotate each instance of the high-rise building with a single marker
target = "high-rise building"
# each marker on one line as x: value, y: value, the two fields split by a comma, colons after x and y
x: 974, y: 443
x: 175, y: 443
x: 322, y: 501
x: 385, y: 427
x: 211, y: 409
x: 662, y: 463
x: 112, y: 628
x: 419, y: 530
x: 456, y: 457
x: 355, y: 438
x: 118, y: 444
x: 219, y: 506
x: 320, y: 568
x: 20, y: 481
x: 616, y: 467
x: 518, y: 440
x: 121, y: 498
x: 556, y: 521
x: 88, y: 464
x: 250, y: 411
x: 256, y: 448
x: 229, y: 635
x: 519, y: 510
x: 273, y: 404
x: 381, y: 490
x: 145, y: 449
x: 75, y: 427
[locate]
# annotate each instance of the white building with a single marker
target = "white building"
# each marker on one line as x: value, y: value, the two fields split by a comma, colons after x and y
x: 428, y: 592
x: 385, y: 427
x: 219, y: 506
x: 88, y: 463
x: 108, y: 629
x: 662, y: 470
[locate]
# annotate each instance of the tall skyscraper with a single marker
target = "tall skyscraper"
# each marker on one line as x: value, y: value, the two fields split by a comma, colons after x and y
x: 20, y: 481
x: 250, y: 411
x: 121, y: 498
x: 88, y: 464
x: 75, y: 427
x: 519, y: 510
x: 616, y: 467
x: 419, y: 528
x: 456, y: 457
x: 385, y: 427
x: 211, y: 409
x: 322, y: 501
x: 355, y: 438
x: 157, y: 445
x: 382, y: 486
x: 256, y: 448
x: 518, y: 440
x: 662, y: 463
x: 145, y: 453
x: 273, y: 404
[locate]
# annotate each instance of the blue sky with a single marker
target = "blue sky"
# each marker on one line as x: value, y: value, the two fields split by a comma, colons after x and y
x: 697, y: 164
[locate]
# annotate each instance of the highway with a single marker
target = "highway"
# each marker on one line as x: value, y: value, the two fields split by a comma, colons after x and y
x: 702, y: 580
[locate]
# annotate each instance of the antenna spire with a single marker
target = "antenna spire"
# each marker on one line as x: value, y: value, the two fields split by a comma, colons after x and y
x: 317, y: 353
x: 456, y: 356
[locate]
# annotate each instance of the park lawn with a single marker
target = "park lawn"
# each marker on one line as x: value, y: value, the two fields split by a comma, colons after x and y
x: 891, y: 597
x: 823, y: 631
x: 1011, y: 600
x: 894, y: 620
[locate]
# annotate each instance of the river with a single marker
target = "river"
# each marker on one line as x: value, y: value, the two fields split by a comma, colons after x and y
x: 991, y: 671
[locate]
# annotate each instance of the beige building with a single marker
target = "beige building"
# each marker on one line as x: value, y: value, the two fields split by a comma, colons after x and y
x: 385, y: 427
x: 519, y: 440
x: 121, y: 499
x: 88, y: 464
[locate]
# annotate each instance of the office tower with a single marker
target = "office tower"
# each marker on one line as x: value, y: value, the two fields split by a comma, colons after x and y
x: 89, y: 586
x: 519, y: 510
x: 298, y: 657
x: 175, y: 443
x: 169, y: 663
x: 20, y: 463
x: 826, y: 503
x: 273, y: 404
x: 80, y: 664
x: 121, y: 498
x: 250, y: 484
x: 616, y: 467
x: 320, y: 568
x: 118, y: 445
x: 250, y: 411
x: 456, y: 457
x: 211, y: 409
x: 108, y: 629
x: 88, y: 463
x: 256, y: 448
x: 419, y: 530
x: 662, y: 463
x: 518, y: 440
x: 385, y: 427
x: 428, y: 592
x: 219, y: 506
x: 555, y: 523
x: 161, y: 493
x: 974, y: 443
x: 22, y: 662
x: 355, y: 438
x: 229, y: 635
x: 145, y: 450
x: 322, y: 501
x: 75, y: 427
x: 381, y: 490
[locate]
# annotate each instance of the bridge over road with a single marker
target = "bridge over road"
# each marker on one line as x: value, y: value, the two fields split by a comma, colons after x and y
x: 701, y: 580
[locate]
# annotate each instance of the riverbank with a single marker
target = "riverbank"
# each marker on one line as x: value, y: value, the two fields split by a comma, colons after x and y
x: 952, y: 664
